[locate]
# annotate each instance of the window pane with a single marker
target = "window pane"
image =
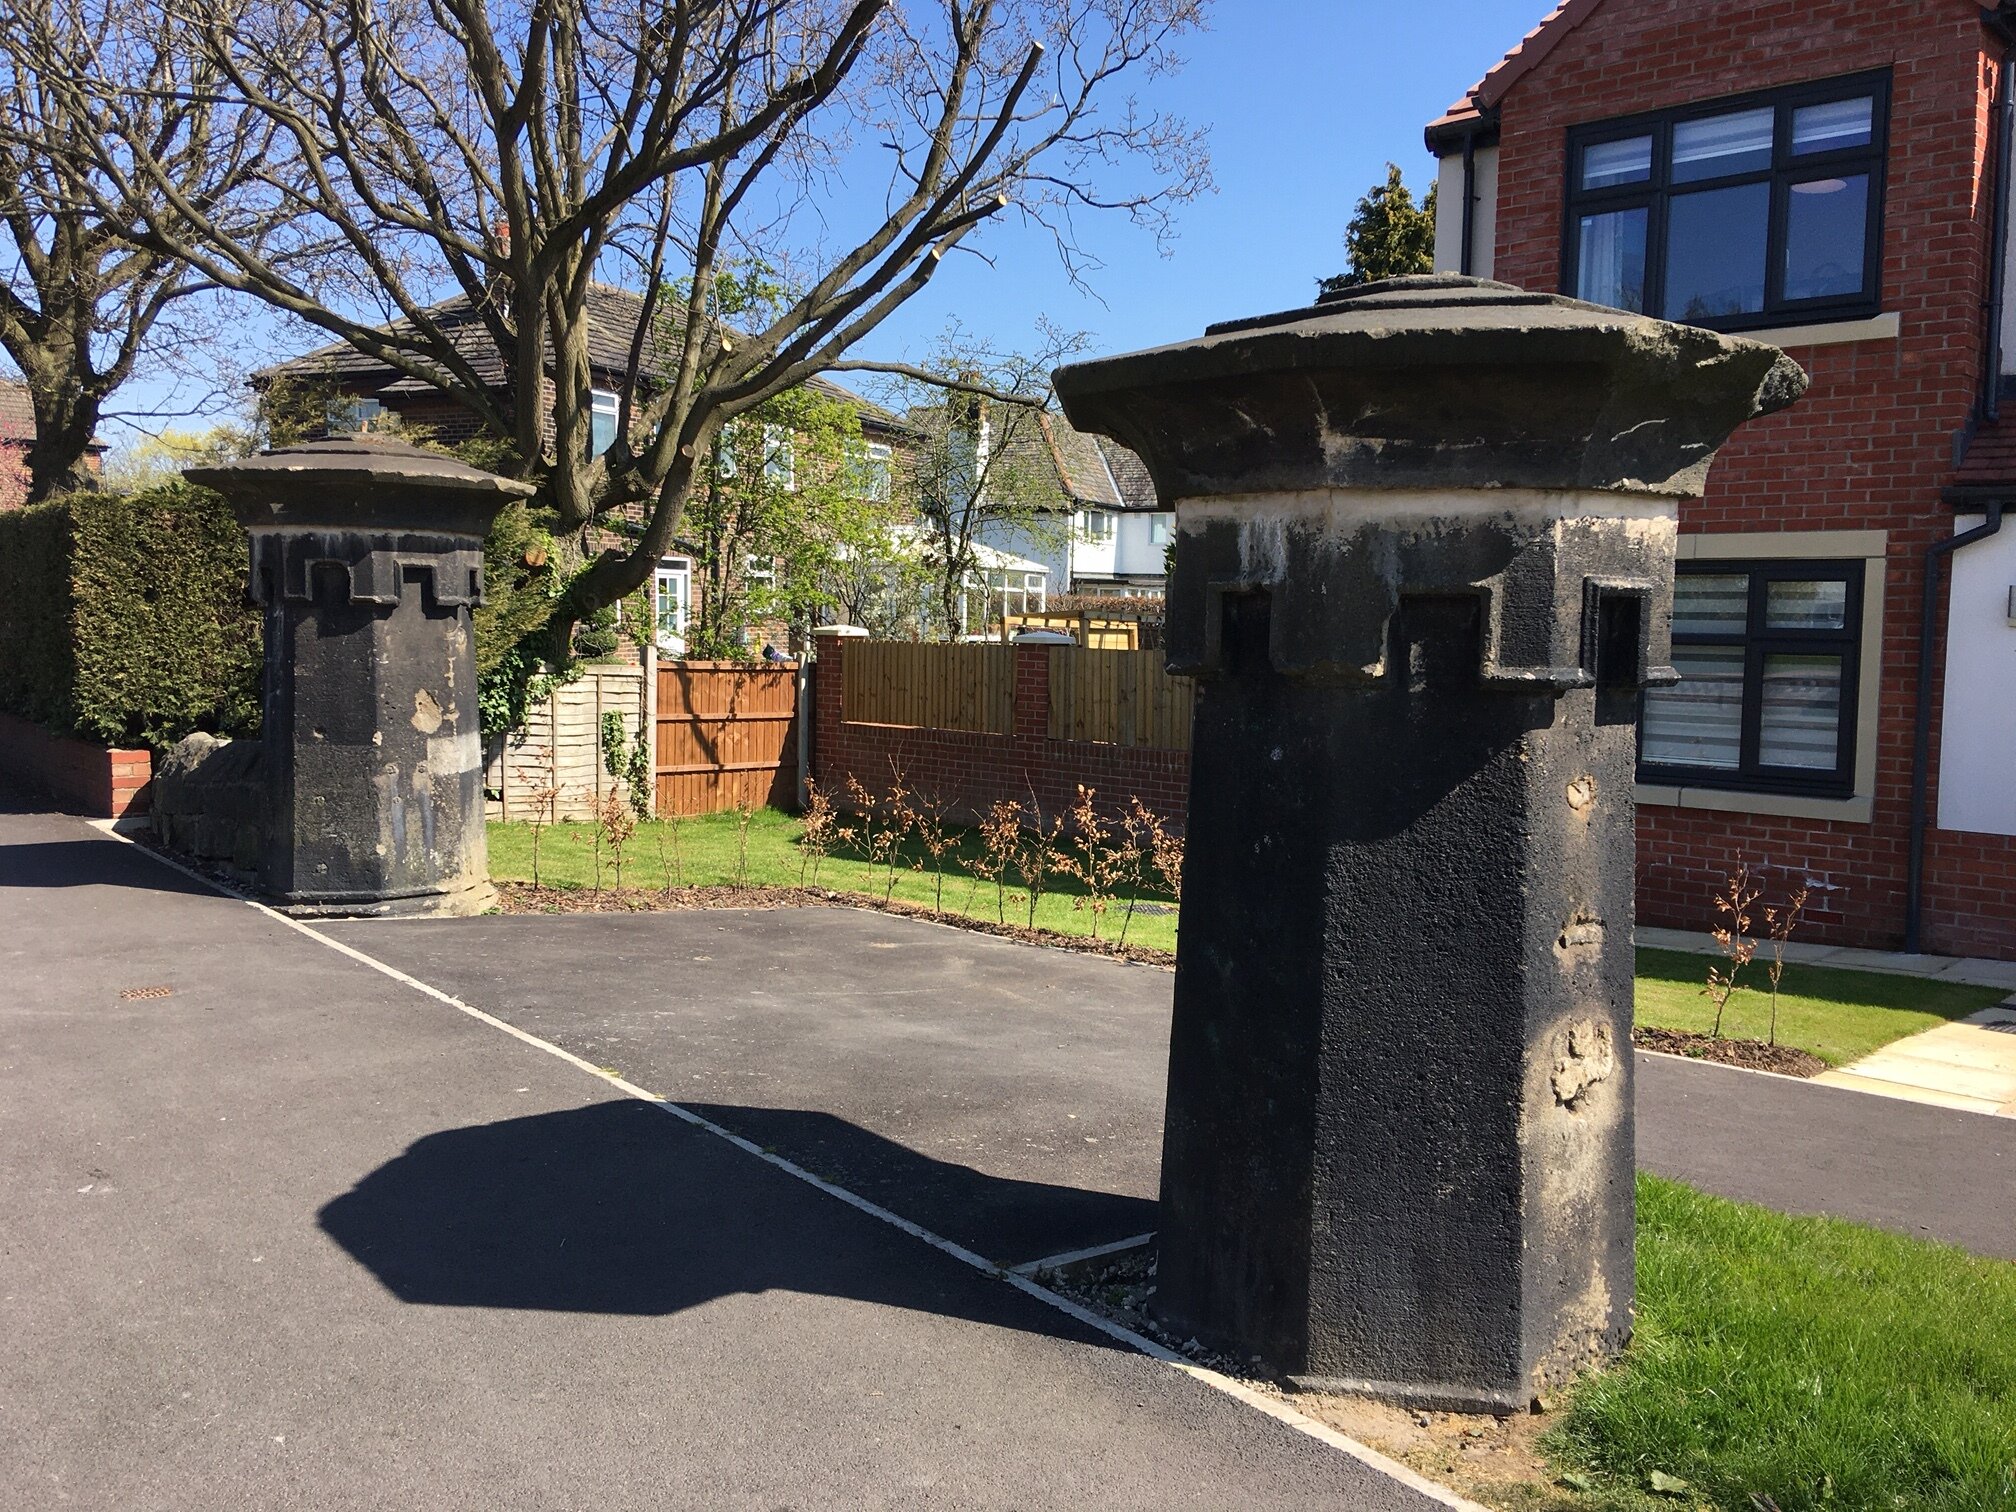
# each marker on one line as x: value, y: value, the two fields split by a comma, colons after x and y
x: 1715, y: 250
x: 1801, y: 723
x: 1806, y: 606
x: 1625, y: 162
x: 1610, y: 264
x: 1739, y: 143
x: 1698, y: 722
x: 1711, y: 603
x: 1830, y: 127
x: 1824, y: 230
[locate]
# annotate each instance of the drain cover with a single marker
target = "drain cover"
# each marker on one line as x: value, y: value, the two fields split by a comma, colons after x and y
x: 127, y: 994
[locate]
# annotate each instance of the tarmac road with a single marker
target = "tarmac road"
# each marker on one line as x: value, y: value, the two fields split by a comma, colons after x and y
x: 277, y: 1231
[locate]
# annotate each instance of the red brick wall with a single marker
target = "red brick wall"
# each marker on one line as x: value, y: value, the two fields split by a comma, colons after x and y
x: 1871, y: 445
x: 101, y: 783
x: 970, y: 771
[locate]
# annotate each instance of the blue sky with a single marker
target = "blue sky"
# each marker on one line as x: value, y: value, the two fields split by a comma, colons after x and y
x: 1306, y: 101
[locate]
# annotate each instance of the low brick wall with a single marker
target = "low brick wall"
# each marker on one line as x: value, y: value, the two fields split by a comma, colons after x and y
x: 968, y: 771
x: 98, y: 782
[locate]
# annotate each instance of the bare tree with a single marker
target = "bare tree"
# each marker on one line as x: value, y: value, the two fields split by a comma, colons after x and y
x: 984, y: 474
x: 479, y: 164
x: 83, y: 305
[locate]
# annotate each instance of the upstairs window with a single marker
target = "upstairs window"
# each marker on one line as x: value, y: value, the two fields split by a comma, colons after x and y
x: 349, y: 415
x: 874, y: 464
x: 780, y: 459
x: 602, y: 411
x: 1761, y: 211
x: 1767, y: 654
x: 1099, y: 525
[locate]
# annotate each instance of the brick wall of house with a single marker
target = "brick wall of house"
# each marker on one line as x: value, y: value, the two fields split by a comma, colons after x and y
x: 1871, y: 445
x: 969, y: 771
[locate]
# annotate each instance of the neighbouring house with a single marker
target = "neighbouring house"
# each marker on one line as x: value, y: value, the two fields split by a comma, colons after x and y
x: 356, y: 392
x: 17, y: 435
x: 1835, y: 180
x: 1111, y: 532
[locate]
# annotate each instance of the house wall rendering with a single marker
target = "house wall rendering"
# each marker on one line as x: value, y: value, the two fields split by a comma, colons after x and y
x: 1837, y: 499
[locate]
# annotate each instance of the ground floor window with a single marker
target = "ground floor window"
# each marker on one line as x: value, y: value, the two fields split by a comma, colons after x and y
x: 1768, y: 654
x: 672, y: 603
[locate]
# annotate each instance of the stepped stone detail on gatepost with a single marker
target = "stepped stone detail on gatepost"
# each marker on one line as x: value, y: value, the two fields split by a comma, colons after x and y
x: 367, y: 558
x: 1424, y: 569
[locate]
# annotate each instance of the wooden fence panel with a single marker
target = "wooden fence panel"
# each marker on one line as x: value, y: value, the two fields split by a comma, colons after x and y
x: 1122, y: 698
x: 727, y: 736
x: 940, y: 687
x: 552, y: 766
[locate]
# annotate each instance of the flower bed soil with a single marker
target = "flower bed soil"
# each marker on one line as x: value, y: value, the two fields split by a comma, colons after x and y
x: 1752, y: 1055
x: 523, y: 898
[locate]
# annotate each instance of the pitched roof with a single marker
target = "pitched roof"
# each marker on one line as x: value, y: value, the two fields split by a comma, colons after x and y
x: 17, y: 412
x: 612, y: 317
x: 1130, y: 475
x: 1085, y: 464
x: 17, y: 416
x: 1081, y: 467
x: 1514, y: 66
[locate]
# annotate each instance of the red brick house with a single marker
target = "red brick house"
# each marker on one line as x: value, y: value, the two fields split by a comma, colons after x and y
x: 1836, y: 180
x: 17, y: 435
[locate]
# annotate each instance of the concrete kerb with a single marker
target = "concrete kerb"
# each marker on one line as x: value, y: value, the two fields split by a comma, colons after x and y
x: 1259, y: 1401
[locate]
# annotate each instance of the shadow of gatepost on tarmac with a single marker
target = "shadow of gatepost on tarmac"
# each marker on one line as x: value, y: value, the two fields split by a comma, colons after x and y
x: 617, y: 1208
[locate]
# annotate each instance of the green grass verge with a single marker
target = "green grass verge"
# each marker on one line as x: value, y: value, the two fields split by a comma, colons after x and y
x: 1819, y: 1363
x: 1838, y: 1015
x: 705, y: 852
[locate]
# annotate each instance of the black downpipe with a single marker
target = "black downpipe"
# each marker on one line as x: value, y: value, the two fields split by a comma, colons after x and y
x: 1998, y: 253
x: 1921, y: 735
x: 1467, y: 264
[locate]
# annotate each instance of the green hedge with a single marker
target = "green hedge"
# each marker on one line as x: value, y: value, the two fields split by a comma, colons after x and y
x: 123, y: 618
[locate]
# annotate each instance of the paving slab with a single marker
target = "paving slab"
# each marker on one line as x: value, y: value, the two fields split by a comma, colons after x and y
x: 975, y: 1084
x: 1969, y: 1063
x: 278, y: 1232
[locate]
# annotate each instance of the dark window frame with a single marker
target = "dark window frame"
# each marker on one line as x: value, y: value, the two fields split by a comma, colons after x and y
x: 1758, y: 641
x: 1656, y: 194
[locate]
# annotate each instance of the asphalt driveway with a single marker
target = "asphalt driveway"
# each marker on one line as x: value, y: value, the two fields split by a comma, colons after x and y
x: 277, y: 1231
x: 1011, y: 1098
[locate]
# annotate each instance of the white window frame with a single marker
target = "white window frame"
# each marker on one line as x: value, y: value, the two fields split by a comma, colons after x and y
x: 677, y: 573
x: 1161, y: 529
x: 780, y: 457
x: 603, y: 404
x: 354, y: 415
x: 877, y: 466
x: 1872, y: 548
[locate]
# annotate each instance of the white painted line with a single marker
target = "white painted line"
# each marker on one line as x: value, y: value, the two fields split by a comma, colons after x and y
x: 1259, y: 1401
x: 1072, y: 1257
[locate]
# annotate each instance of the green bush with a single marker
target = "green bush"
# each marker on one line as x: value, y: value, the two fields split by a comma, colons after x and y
x: 123, y: 618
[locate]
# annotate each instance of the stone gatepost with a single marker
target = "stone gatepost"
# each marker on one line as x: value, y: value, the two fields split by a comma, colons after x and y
x: 367, y: 556
x: 1424, y: 568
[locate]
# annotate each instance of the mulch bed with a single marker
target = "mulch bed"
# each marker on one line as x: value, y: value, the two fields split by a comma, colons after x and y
x: 523, y: 898
x: 1752, y: 1055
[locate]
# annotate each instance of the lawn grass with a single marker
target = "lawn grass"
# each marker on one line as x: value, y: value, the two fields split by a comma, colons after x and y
x: 1839, y: 1015
x: 1816, y: 1362
x: 704, y: 851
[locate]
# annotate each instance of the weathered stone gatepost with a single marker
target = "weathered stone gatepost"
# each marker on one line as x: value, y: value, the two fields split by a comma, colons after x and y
x: 367, y: 555
x: 1424, y: 568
